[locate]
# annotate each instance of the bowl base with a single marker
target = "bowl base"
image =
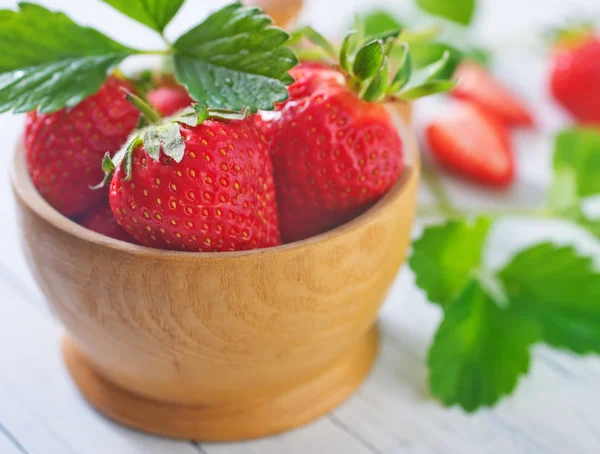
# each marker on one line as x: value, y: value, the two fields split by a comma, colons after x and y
x: 238, y: 420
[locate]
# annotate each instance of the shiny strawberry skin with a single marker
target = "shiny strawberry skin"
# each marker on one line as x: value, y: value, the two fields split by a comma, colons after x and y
x: 102, y: 220
x: 220, y: 197
x: 169, y: 100
x: 471, y: 143
x: 477, y: 85
x: 64, y: 149
x: 334, y: 154
x: 575, y: 80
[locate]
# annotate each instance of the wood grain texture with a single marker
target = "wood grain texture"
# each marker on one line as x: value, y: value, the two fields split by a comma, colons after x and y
x: 224, y: 331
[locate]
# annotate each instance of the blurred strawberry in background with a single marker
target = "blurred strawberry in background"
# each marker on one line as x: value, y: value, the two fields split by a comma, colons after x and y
x: 470, y: 142
x: 479, y: 86
x: 575, y: 74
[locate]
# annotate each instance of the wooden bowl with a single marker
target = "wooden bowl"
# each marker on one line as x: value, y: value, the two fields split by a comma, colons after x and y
x: 218, y: 346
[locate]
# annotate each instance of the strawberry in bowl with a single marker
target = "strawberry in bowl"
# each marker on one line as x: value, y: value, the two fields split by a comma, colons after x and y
x: 210, y: 328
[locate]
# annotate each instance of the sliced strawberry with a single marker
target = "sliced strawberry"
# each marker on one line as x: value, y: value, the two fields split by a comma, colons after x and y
x: 478, y: 85
x: 473, y: 144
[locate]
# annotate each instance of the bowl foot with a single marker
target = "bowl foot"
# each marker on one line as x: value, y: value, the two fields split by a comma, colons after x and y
x: 237, y: 421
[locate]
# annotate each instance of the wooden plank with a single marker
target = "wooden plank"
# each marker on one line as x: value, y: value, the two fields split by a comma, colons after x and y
x: 554, y: 409
x: 39, y: 404
x: 322, y: 436
x: 9, y: 444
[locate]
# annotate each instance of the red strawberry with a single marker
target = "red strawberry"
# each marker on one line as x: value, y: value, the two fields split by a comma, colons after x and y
x: 63, y: 148
x: 211, y: 188
x: 473, y: 144
x: 575, y: 78
x: 102, y: 220
x: 477, y: 85
x: 169, y: 99
x: 334, y: 154
x: 336, y: 149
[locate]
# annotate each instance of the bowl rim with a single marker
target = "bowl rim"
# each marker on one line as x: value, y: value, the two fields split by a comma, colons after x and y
x: 29, y: 196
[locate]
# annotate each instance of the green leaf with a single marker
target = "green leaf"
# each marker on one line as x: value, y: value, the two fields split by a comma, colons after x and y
x: 318, y: 40
x: 577, y: 151
x: 107, y: 164
x: 479, y: 351
x: 49, y: 62
x: 377, y: 86
x: 426, y: 53
x: 378, y: 22
x: 428, y: 88
x: 235, y: 60
x: 155, y: 14
x: 460, y: 11
x: 346, y: 51
x: 576, y: 175
x: 404, y: 61
x: 368, y: 60
x: 427, y: 81
x: 560, y: 289
x: 445, y: 257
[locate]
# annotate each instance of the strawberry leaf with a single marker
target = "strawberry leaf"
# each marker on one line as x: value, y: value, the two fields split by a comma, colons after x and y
x: 235, y: 59
x: 427, y: 81
x: 317, y: 39
x: 368, y: 60
x: 480, y: 350
x: 377, y: 86
x: 378, y: 22
x: 446, y: 255
x: 560, y: 290
x: 404, y: 60
x: 460, y: 11
x: 49, y: 62
x: 155, y: 14
x: 576, y: 175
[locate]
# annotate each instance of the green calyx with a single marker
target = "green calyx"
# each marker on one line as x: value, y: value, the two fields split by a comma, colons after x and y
x: 161, y: 135
x: 369, y: 68
x: 572, y: 35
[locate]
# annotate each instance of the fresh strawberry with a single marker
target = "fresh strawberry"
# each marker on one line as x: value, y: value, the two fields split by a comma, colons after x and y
x: 207, y: 187
x: 102, y: 220
x: 478, y: 85
x: 336, y: 149
x: 169, y: 99
x: 473, y: 144
x: 63, y: 148
x: 575, y: 78
x: 334, y: 154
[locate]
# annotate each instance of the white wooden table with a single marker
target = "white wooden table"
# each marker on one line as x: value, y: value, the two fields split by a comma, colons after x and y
x: 555, y: 410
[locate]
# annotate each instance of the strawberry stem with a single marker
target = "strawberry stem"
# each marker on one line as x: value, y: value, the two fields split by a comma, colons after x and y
x: 444, y: 205
x: 149, y: 113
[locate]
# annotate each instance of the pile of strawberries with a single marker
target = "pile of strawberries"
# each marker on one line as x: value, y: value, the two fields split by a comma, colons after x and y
x: 321, y: 158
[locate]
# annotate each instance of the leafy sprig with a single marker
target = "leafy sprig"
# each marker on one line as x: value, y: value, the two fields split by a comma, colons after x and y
x: 545, y: 293
x: 366, y: 62
x: 234, y: 59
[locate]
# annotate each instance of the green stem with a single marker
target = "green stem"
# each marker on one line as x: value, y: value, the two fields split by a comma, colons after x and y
x: 155, y: 52
x: 150, y: 114
x: 540, y: 213
x: 433, y: 182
